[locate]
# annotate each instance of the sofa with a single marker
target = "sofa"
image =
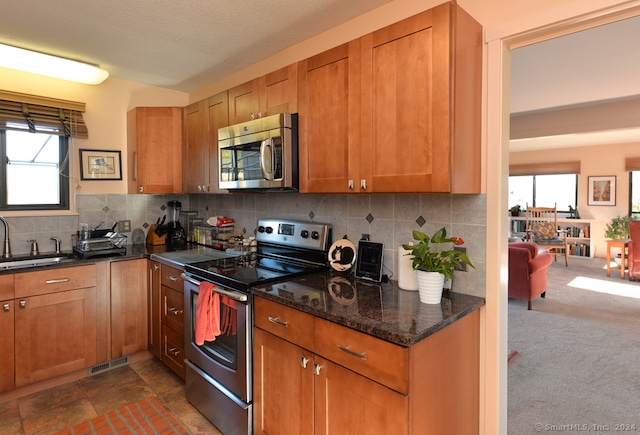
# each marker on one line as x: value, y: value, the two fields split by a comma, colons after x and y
x: 633, y: 268
x: 527, y: 271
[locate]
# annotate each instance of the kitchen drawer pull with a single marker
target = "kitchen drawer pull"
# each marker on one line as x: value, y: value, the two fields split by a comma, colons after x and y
x: 57, y: 281
x: 6, y: 307
x: 175, y: 311
x: 316, y: 369
x: 304, y: 361
x: 174, y: 351
x: 173, y: 278
x: 350, y: 352
x: 23, y: 304
x: 278, y: 322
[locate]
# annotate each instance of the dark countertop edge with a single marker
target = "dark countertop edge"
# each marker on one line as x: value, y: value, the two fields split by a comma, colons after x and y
x: 377, y: 329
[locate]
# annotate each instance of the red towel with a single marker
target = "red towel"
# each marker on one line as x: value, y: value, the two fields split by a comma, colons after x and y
x: 207, y: 314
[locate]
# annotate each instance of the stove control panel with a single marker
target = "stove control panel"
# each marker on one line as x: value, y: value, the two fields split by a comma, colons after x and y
x: 300, y: 234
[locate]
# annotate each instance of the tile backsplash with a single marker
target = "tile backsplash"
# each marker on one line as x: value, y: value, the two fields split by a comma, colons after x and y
x: 388, y: 219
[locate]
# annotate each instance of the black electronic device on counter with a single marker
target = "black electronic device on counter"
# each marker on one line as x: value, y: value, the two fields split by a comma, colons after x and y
x: 369, y: 261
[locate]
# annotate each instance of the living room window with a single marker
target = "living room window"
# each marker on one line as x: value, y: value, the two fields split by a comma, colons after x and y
x: 544, y: 191
x: 634, y: 194
x: 36, y: 134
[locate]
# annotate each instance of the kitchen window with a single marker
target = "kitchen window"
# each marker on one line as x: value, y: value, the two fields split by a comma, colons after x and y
x: 36, y: 135
x: 34, y: 172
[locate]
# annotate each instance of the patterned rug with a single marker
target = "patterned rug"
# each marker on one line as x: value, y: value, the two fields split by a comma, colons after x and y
x: 147, y: 416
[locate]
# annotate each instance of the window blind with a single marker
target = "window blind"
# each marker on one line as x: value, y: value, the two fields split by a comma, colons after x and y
x: 42, y: 115
x: 545, y: 168
x: 632, y: 164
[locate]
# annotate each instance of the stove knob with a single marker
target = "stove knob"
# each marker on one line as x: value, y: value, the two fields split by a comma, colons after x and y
x: 315, y: 235
x: 269, y: 230
x: 304, y: 234
x: 261, y: 229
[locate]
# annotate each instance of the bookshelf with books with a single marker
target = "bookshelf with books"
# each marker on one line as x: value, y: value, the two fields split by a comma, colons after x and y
x: 578, y: 234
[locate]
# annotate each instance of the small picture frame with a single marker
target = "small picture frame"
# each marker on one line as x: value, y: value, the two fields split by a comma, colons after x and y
x: 602, y: 190
x: 100, y: 165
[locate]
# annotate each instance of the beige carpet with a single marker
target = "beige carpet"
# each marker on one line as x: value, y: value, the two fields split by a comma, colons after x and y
x: 578, y: 360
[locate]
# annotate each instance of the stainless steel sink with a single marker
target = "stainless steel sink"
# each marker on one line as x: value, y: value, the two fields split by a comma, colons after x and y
x: 20, y: 263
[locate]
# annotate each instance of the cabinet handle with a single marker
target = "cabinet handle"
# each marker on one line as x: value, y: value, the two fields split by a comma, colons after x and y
x: 350, y: 352
x: 316, y: 369
x: 175, y: 311
x: 155, y: 267
x: 278, y: 322
x: 57, y: 281
x: 6, y: 307
x: 141, y: 189
x: 363, y: 184
x: 304, y: 361
x: 173, y: 278
x: 350, y: 185
x: 174, y: 351
x: 23, y: 304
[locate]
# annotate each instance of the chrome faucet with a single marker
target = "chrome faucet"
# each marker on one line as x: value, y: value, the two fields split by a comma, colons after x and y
x: 6, y: 251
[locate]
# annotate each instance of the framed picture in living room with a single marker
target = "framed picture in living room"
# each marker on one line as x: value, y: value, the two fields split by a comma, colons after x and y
x: 602, y: 190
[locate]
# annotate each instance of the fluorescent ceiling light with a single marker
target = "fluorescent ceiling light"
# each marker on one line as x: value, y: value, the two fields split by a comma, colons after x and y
x: 52, y: 66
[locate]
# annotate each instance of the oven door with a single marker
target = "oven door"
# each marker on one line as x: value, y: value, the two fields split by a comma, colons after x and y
x: 227, y: 359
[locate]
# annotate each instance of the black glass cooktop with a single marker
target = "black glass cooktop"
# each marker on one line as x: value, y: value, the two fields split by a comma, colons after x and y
x: 244, y: 272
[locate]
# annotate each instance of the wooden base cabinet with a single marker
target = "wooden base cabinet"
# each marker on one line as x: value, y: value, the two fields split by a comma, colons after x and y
x: 129, y: 307
x: 344, y: 381
x: 55, y: 323
x: 7, y: 346
x: 153, y: 295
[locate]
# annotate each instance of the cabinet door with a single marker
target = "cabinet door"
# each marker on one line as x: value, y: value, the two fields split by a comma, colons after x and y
x: 283, y: 386
x: 154, y: 146
x: 7, y: 345
x: 244, y: 102
x: 218, y: 113
x: 128, y: 307
x: 405, y: 106
x: 196, y: 149
x: 279, y: 91
x: 55, y: 334
x: 329, y: 120
x: 346, y: 402
x: 155, y: 312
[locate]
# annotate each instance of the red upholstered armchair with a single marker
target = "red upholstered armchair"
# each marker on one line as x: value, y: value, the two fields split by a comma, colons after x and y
x: 634, y: 251
x: 527, y: 271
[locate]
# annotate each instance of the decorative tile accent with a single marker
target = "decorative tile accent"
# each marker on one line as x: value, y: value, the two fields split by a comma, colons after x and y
x: 370, y: 218
x: 105, y: 209
x: 163, y: 207
x: 145, y: 225
x: 421, y: 221
x: 311, y: 215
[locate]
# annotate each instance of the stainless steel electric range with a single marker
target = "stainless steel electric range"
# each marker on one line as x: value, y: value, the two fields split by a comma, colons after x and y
x: 219, y: 371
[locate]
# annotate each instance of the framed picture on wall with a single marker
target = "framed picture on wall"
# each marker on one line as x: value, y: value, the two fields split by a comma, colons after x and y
x: 602, y: 190
x: 100, y: 165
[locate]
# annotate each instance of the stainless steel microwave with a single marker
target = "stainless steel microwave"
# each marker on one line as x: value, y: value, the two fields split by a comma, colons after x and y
x: 261, y: 154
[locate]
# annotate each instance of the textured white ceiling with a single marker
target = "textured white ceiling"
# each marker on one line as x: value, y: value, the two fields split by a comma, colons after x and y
x: 177, y: 44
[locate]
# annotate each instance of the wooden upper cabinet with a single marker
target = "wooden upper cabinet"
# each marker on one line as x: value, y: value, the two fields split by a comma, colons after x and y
x: 201, y: 123
x: 329, y: 120
x: 404, y: 105
x: 276, y: 92
x: 154, y: 145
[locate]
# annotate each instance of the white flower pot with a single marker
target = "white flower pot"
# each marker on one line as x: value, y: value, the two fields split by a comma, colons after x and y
x: 430, y: 285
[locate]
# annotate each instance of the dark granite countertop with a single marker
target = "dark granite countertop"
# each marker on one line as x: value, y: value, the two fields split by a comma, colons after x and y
x: 382, y: 310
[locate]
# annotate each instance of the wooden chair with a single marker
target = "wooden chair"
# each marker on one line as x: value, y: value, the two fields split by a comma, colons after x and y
x: 542, y: 229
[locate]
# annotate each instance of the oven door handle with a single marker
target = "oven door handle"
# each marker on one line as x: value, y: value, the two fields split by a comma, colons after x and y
x: 236, y: 296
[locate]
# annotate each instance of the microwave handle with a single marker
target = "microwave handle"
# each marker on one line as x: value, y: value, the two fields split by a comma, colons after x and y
x: 266, y: 146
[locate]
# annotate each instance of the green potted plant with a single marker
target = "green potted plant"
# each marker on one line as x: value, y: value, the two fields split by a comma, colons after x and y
x: 433, y: 262
x: 617, y: 228
x: 516, y: 210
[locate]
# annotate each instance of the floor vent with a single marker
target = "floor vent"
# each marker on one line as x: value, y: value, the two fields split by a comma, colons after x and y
x: 103, y: 367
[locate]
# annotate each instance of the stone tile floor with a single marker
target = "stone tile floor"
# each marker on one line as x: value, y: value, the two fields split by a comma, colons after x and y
x: 57, y: 408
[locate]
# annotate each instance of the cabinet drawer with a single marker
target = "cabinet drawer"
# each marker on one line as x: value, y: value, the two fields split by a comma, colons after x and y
x: 172, y: 308
x: 170, y: 276
x: 173, y: 350
x: 372, y: 357
x: 6, y: 287
x: 54, y: 280
x: 285, y: 322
